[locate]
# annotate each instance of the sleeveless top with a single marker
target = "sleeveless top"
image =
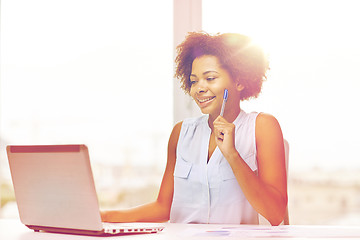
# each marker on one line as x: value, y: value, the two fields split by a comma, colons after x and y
x: 208, y: 192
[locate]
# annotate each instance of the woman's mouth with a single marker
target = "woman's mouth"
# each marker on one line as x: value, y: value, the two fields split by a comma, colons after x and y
x: 204, y: 101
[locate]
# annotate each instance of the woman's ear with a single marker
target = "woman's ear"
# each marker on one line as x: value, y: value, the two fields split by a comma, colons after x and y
x: 239, y: 87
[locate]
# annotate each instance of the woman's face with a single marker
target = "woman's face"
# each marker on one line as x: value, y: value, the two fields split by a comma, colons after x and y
x: 208, y: 82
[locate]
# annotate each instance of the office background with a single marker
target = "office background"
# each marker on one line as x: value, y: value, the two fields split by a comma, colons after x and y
x: 101, y: 73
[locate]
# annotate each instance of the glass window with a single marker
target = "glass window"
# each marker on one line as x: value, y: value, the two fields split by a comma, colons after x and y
x: 93, y: 72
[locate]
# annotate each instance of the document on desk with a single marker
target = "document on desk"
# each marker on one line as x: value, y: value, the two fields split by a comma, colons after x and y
x: 292, y: 231
x: 241, y: 231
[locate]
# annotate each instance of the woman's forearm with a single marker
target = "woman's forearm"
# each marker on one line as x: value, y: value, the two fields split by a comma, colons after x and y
x: 150, y: 212
x: 265, y: 199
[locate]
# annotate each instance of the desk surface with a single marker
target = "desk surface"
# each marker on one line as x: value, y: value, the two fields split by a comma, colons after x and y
x: 14, y: 230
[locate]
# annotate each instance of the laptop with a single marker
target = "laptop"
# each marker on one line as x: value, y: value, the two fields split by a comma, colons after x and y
x: 55, y: 192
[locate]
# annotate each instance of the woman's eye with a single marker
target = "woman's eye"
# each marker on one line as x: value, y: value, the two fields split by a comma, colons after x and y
x: 211, y: 78
x: 192, y: 82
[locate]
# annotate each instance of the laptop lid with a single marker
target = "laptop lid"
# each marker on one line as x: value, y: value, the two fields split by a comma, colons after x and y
x: 54, y: 186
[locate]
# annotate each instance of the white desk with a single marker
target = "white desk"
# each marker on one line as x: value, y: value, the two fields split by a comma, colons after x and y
x: 14, y: 230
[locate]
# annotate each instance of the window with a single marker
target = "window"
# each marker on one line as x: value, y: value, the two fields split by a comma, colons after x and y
x: 92, y: 72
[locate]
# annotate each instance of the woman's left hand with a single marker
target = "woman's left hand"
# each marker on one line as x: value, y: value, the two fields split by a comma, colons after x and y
x: 224, y: 136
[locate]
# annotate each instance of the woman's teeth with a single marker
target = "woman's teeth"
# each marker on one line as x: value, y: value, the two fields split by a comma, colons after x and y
x: 205, y: 100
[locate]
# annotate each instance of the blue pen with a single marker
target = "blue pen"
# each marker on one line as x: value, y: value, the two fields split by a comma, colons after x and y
x: 224, y: 102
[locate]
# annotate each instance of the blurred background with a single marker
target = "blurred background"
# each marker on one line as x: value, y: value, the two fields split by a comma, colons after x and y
x: 101, y: 73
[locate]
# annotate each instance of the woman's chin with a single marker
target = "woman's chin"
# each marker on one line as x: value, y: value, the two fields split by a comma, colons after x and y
x: 204, y: 111
x: 207, y: 111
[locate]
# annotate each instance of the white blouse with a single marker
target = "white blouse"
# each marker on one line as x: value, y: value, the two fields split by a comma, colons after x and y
x: 208, y: 192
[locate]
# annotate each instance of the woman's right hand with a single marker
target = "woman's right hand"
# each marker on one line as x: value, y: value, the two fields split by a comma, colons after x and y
x: 112, y: 216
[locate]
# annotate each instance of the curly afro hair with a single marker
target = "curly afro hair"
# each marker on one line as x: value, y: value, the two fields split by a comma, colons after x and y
x: 244, y: 61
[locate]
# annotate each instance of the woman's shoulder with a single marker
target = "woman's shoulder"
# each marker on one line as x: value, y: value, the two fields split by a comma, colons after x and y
x: 265, y: 120
x: 267, y: 127
x: 174, y: 136
x: 177, y: 127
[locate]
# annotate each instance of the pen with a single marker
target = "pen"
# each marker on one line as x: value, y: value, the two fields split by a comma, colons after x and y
x: 224, y: 102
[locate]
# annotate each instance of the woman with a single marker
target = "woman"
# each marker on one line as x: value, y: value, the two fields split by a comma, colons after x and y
x: 220, y: 169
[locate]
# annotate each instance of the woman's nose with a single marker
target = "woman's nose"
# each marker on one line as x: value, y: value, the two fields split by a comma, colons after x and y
x: 201, y: 87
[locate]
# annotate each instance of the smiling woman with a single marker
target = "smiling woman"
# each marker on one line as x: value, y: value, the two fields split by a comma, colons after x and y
x: 220, y: 169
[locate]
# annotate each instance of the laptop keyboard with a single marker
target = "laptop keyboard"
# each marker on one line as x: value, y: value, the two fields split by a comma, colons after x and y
x: 114, y: 228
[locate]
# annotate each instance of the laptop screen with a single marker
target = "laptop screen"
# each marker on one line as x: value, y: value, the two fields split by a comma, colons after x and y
x: 54, y: 186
